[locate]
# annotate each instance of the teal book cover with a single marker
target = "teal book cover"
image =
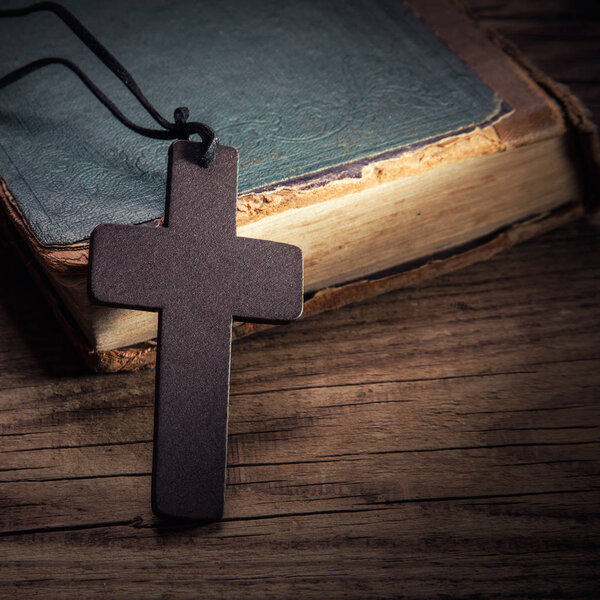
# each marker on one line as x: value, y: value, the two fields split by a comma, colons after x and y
x: 298, y: 87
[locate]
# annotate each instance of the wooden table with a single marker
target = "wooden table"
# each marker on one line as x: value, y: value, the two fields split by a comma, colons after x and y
x: 439, y: 442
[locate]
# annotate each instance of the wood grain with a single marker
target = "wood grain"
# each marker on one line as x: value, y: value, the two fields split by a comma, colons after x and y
x: 437, y: 442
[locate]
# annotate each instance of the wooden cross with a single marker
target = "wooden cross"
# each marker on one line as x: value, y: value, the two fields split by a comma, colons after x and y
x: 200, y: 276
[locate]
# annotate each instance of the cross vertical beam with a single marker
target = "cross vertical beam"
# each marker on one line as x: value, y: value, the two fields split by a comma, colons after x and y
x: 199, y: 275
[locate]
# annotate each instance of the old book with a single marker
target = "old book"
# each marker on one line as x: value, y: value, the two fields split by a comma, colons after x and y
x: 390, y: 141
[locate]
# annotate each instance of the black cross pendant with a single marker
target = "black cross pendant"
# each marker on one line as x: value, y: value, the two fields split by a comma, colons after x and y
x: 199, y: 275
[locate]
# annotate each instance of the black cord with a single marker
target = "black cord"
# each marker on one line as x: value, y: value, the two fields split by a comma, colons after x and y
x: 179, y: 129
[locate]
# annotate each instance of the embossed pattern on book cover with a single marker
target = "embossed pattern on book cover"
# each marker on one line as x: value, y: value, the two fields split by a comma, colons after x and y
x: 296, y: 86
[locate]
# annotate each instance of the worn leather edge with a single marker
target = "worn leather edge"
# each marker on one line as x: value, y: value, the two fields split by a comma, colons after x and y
x: 536, y: 116
x: 578, y: 117
x: 479, y: 141
x: 62, y: 258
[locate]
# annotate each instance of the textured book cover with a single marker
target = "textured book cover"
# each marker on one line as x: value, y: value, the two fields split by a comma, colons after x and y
x: 297, y: 87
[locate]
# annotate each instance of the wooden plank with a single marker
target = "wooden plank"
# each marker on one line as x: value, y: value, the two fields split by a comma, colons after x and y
x: 324, y: 449
x: 418, y: 442
x: 465, y: 548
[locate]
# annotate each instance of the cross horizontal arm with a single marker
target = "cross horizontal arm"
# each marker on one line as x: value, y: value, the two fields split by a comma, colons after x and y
x: 124, y: 262
x: 268, y: 280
